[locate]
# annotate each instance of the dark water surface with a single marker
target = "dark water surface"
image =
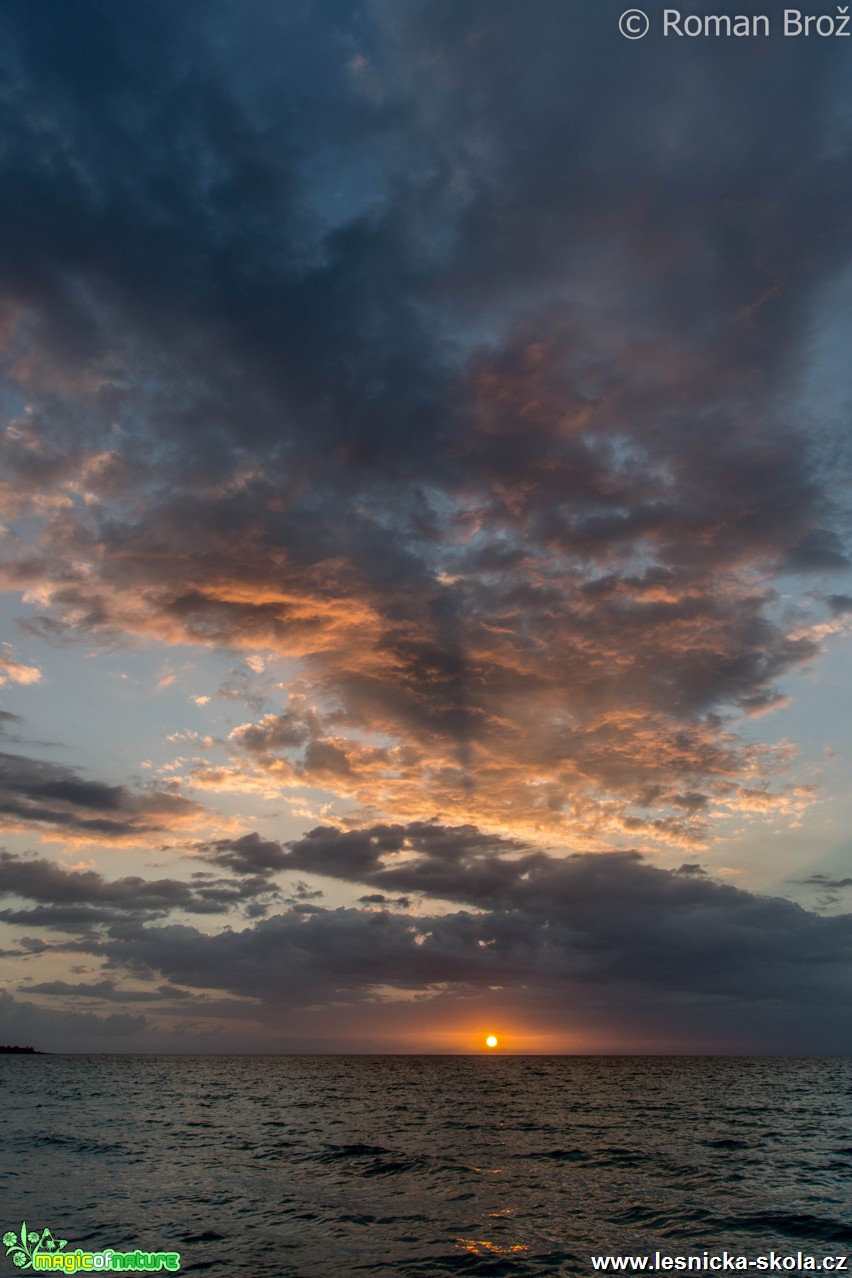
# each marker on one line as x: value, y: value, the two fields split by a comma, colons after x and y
x: 310, y: 1167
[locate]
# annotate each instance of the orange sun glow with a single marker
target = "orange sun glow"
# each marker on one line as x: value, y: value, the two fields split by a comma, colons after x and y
x: 491, y: 1041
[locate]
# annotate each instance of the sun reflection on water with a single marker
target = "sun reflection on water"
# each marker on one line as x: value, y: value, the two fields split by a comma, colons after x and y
x: 481, y: 1247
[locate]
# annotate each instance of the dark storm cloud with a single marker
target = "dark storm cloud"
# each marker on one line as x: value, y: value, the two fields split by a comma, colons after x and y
x: 558, y: 933
x: 540, y: 919
x: 38, y: 793
x: 379, y: 898
x: 563, y: 937
x: 24, y: 1022
x: 458, y: 355
x: 62, y: 918
x: 106, y: 990
x: 249, y: 854
x: 69, y: 898
x: 357, y: 854
x: 497, y: 875
x: 187, y: 204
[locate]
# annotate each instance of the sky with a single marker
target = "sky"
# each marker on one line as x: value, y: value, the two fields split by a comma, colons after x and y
x: 424, y: 485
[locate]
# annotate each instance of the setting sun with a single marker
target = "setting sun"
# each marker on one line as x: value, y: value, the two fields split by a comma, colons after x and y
x: 491, y: 1041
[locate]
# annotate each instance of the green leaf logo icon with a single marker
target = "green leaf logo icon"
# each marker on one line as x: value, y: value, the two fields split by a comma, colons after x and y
x: 23, y: 1246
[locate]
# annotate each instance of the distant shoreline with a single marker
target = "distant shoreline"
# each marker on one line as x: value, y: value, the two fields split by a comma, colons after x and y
x: 19, y: 1051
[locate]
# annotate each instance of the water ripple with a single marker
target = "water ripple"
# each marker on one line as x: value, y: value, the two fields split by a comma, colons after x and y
x: 325, y: 1167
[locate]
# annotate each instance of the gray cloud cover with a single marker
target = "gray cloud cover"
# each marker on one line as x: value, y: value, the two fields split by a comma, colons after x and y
x: 37, y: 793
x: 561, y: 938
x: 468, y: 365
x: 485, y: 437
x: 89, y: 896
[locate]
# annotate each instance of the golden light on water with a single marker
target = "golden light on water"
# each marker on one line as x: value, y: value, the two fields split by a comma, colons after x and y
x: 481, y: 1247
x: 492, y: 1041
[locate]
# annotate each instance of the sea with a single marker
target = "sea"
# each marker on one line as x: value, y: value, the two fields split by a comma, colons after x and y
x: 318, y: 1166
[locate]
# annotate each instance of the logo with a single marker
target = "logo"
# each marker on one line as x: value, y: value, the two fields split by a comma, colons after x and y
x: 24, y: 1248
x: 31, y: 1249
